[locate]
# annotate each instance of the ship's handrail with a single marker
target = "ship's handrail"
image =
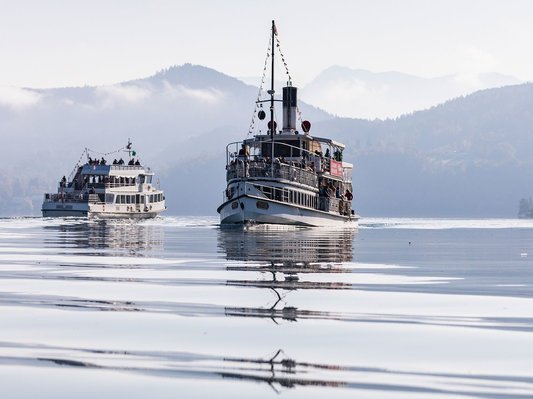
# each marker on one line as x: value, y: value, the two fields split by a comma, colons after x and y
x: 116, y: 185
x: 295, y: 155
x: 322, y: 203
x: 71, y: 197
x: 241, y: 169
x: 233, y: 154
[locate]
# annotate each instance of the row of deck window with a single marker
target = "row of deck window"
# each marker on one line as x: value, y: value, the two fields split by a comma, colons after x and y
x: 290, y: 196
x: 134, y: 199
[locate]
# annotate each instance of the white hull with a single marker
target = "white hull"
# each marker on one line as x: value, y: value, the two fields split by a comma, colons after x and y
x: 244, y: 210
x: 83, y: 209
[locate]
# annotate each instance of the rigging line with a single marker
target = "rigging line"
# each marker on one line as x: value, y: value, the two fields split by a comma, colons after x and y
x: 104, y: 153
x: 278, y: 45
x: 72, y: 174
x: 263, y: 78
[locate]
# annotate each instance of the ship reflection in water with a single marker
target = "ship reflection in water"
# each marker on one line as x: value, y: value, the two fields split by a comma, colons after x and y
x: 285, y: 260
x: 121, y: 236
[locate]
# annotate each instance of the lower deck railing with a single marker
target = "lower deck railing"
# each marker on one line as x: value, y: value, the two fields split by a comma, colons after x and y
x: 293, y: 197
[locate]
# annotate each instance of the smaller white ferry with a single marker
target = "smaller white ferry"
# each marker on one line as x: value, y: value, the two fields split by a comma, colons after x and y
x: 119, y: 189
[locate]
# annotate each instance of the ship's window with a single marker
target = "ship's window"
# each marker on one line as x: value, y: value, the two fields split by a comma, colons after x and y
x: 109, y: 198
x: 285, y: 195
x: 148, y: 179
x: 142, y: 199
x: 141, y: 179
x: 234, y: 205
x: 267, y: 191
x: 128, y: 199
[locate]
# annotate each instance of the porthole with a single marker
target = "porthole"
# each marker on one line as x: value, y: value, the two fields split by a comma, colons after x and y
x: 262, y: 204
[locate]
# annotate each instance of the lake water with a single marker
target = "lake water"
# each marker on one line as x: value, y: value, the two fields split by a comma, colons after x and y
x: 179, y: 308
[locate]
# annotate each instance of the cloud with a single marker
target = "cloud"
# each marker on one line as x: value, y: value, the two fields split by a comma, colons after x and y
x: 120, y: 94
x: 18, y: 98
x: 211, y: 96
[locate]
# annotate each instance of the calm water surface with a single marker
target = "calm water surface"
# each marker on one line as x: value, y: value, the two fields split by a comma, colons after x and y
x: 177, y: 307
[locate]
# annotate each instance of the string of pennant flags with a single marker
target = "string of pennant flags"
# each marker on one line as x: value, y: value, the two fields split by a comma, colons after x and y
x: 104, y: 154
x: 259, y: 94
x: 258, y: 105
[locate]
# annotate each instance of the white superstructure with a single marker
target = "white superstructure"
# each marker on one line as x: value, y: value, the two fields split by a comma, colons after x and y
x: 97, y: 189
x: 287, y: 176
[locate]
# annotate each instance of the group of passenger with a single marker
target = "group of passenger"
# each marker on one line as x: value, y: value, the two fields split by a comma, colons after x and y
x: 102, y: 161
x: 96, y: 161
x: 131, y: 162
x: 331, y: 190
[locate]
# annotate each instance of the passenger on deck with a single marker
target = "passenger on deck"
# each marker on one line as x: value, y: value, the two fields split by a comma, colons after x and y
x: 330, y: 191
x: 348, y: 195
x: 121, y: 161
x: 327, y: 153
x: 115, y: 162
x: 137, y: 163
x: 131, y: 162
x: 244, y: 152
x: 102, y: 161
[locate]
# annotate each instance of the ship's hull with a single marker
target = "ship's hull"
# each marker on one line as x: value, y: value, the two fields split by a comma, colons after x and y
x: 254, y: 210
x: 83, y: 209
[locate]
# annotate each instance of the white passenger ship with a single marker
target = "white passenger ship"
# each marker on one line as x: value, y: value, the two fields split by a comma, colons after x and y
x: 286, y: 176
x: 98, y: 189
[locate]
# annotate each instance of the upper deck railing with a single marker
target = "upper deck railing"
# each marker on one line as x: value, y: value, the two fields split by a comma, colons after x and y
x: 106, y: 169
x: 289, y: 162
x: 241, y: 169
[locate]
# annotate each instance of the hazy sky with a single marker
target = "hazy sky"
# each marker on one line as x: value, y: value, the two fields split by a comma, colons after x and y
x: 61, y: 43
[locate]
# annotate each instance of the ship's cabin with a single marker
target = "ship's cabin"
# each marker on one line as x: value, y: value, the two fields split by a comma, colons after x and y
x: 99, y: 177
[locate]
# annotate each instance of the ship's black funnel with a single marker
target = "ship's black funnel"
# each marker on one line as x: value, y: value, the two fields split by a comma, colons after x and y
x: 289, y: 109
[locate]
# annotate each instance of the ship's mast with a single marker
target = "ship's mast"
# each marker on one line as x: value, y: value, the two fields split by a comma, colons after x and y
x: 271, y: 91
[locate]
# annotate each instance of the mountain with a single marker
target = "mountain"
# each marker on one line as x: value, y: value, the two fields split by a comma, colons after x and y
x: 468, y: 157
x: 45, y: 131
x: 363, y: 94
